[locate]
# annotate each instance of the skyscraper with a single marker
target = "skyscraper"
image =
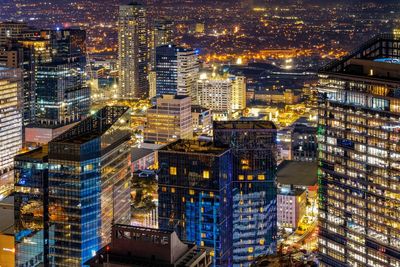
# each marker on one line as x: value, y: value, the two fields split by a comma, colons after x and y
x: 89, y: 185
x: 169, y: 120
x: 254, y: 214
x: 195, y: 195
x: 133, y: 49
x: 177, y: 70
x: 161, y: 34
x: 359, y: 157
x: 10, y: 124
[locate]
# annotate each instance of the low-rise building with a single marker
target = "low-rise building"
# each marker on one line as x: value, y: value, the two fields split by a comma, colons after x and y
x: 139, y: 246
x: 202, y: 119
x: 291, y: 205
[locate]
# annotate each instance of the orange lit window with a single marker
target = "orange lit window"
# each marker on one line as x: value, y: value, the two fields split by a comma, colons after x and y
x: 206, y: 174
x: 172, y: 190
x: 164, y: 189
x: 241, y: 177
x: 191, y: 192
x: 261, y: 177
x: 172, y: 170
x: 249, y: 177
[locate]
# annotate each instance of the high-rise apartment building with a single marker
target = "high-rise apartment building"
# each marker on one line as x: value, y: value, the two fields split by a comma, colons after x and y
x: 222, y: 94
x: 254, y: 214
x: 195, y: 195
x: 177, y: 70
x: 161, y: 34
x: 238, y: 92
x: 359, y: 157
x: 133, y: 49
x: 10, y: 124
x: 169, y: 120
x: 88, y: 185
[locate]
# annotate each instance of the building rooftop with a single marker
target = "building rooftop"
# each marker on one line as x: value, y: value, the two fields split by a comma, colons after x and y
x: 243, y: 124
x: 291, y: 191
x: 139, y: 246
x: 92, y: 127
x: 297, y: 173
x: 38, y: 154
x: 199, y: 109
x: 7, y: 216
x: 138, y: 153
x: 377, y: 58
x: 195, y: 147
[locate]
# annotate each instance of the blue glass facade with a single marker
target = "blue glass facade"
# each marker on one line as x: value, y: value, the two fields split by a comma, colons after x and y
x: 31, y: 208
x: 254, y: 213
x: 69, y: 195
x: 195, y: 195
x: 89, y: 185
x: 166, y: 70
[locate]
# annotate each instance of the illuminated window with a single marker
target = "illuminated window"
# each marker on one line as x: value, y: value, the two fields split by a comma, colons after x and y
x: 241, y: 177
x: 172, y: 190
x: 172, y: 170
x: 164, y: 189
x: 203, y: 235
x: 206, y: 174
x: 250, y: 249
x: 191, y: 192
x: 261, y: 177
x: 211, y: 194
x: 202, y: 243
x: 249, y: 177
x: 183, y: 199
x: 262, y: 241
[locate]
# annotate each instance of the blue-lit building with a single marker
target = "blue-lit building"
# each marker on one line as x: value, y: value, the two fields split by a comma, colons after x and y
x: 31, y: 208
x: 69, y: 193
x: 195, y: 195
x: 176, y: 69
x: 254, y: 214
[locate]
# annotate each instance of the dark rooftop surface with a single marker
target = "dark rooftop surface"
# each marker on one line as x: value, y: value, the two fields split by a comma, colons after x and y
x: 35, y: 154
x: 138, y: 153
x: 195, y: 147
x: 7, y: 216
x: 243, y: 124
x: 297, y: 173
x: 379, y: 50
x: 199, y: 109
x: 92, y: 127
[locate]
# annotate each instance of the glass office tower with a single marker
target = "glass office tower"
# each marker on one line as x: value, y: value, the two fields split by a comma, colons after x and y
x: 253, y: 145
x: 195, y: 195
x: 89, y: 185
x: 177, y: 70
x: 62, y: 96
x: 359, y: 157
x: 31, y: 208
